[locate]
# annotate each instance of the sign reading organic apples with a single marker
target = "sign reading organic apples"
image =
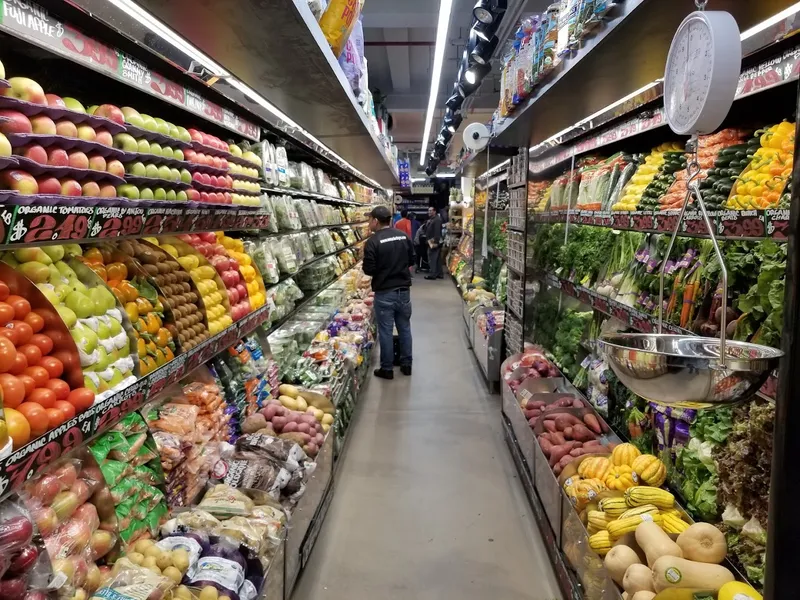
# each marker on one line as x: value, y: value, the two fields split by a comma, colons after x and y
x: 36, y: 25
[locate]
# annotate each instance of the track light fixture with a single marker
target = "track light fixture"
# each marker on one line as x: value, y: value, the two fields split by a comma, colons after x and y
x: 445, y: 135
x: 484, y: 31
x: 473, y: 77
x: 483, y: 50
x: 452, y: 122
x: 455, y: 101
x: 489, y: 11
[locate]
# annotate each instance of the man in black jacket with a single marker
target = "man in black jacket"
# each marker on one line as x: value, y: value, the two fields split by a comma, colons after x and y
x: 388, y: 256
x: 433, y: 232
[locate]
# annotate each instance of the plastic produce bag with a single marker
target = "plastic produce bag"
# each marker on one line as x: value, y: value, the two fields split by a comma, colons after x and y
x: 338, y: 21
x: 350, y: 61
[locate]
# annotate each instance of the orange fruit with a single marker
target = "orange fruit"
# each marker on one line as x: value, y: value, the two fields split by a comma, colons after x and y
x: 93, y: 256
x: 18, y: 427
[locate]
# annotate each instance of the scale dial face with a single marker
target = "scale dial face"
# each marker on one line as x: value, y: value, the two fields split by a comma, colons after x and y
x: 702, y: 72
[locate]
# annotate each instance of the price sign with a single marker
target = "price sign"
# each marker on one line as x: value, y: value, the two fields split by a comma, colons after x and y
x: 583, y: 295
x: 642, y: 221
x: 621, y: 220
x: 621, y: 312
x: 670, y: 328
x: 205, y: 220
x: 693, y: 223
x: 766, y: 75
x: 37, y: 223
x: 229, y: 218
x: 641, y: 322
x: 168, y: 90
x: 34, y: 456
x: 155, y: 219
x: 6, y: 219
x: 201, y: 354
x: 777, y: 223
x: 665, y: 221
x: 172, y: 221
x: 167, y: 375
x: 117, y: 221
x: 253, y: 320
x: 89, y: 50
x: 112, y: 409
x: 568, y: 288
x: 218, y: 219
x: 135, y: 72
x: 745, y: 223
x: 600, y: 303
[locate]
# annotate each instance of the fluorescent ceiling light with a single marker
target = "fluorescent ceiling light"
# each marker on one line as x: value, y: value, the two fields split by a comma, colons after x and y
x: 446, y: 175
x: 788, y: 12
x: 445, y: 8
x: 506, y: 162
x: 416, y: 179
x: 168, y: 35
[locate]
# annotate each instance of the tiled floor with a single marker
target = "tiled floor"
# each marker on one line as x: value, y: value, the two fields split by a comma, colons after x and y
x: 427, y: 502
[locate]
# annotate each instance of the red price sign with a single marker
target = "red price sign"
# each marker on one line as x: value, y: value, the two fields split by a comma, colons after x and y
x: 693, y: 223
x: 200, y: 355
x: 641, y: 322
x: 763, y: 77
x: 166, y: 88
x: 621, y: 312
x: 778, y: 223
x: 167, y: 375
x: 747, y: 224
x: 568, y: 288
x: 90, y: 50
x: 173, y: 220
x: 642, y: 221
x: 665, y: 222
x: 51, y: 223
x: 621, y: 220
x: 600, y: 303
x: 115, y: 221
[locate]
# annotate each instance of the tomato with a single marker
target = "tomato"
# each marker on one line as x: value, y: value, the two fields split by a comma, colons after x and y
x: 36, y: 417
x: 81, y: 398
x: 59, y: 386
x: 66, y: 409
x: 8, y: 354
x: 4, y: 291
x: 20, y: 305
x: 12, y: 334
x: 35, y: 320
x: 53, y: 366
x: 39, y: 374
x: 117, y: 270
x: 32, y: 353
x: 19, y: 430
x: 54, y: 417
x: 44, y: 342
x: 43, y: 396
x: 29, y: 384
x: 93, y: 256
x: 24, y: 331
x: 6, y: 313
x: 20, y: 364
x: 13, y: 390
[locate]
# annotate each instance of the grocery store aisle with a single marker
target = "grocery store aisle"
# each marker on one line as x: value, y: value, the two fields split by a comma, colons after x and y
x: 427, y: 503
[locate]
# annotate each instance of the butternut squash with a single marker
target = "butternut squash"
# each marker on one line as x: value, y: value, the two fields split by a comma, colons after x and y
x: 643, y: 595
x: 637, y: 578
x: 674, y: 572
x: 629, y: 540
x: 702, y: 542
x: 655, y: 543
x: 617, y: 561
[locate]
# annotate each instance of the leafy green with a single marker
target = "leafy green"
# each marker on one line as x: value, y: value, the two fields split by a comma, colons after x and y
x: 572, y: 326
x: 712, y: 425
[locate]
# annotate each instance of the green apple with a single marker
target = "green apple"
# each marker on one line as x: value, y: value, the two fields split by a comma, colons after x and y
x: 235, y: 150
x: 144, y: 146
x: 67, y: 315
x: 184, y: 135
x: 178, y: 154
x: 151, y: 170
x: 128, y: 191
x: 159, y: 194
x: 181, y: 196
x: 173, y: 131
x: 171, y: 195
x: 137, y: 168
x: 174, y: 174
x: 149, y: 123
x: 73, y: 104
x: 126, y: 142
x: 164, y: 172
x: 186, y: 177
x: 132, y: 116
x: 163, y: 126
x: 145, y: 194
x: 167, y: 152
x: 155, y: 148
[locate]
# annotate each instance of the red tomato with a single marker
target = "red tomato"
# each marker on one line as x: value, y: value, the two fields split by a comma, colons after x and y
x: 39, y: 374
x: 43, y: 396
x: 13, y: 390
x: 44, y: 342
x: 6, y: 313
x: 4, y: 291
x: 8, y: 354
x: 20, y: 305
x: 54, y: 417
x: 20, y: 364
x: 24, y: 331
x: 32, y: 353
x: 10, y: 334
x: 29, y: 384
x: 81, y: 398
x: 36, y: 416
x: 53, y: 366
x: 59, y: 386
x: 66, y: 409
x: 35, y: 320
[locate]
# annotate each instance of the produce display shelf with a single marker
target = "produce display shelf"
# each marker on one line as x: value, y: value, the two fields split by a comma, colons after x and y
x: 732, y: 224
x: 311, y: 195
x: 33, y: 456
x: 306, y: 229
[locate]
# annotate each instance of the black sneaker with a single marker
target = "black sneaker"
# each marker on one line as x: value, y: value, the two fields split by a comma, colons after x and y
x: 429, y: 277
x: 384, y: 373
x: 405, y: 370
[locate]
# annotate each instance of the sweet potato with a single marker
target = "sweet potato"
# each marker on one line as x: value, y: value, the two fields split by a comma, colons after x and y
x: 545, y: 445
x: 592, y: 422
x: 581, y: 433
x: 532, y: 422
x: 558, y: 438
x: 535, y: 404
x: 568, y: 432
x: 576, y: 452
x: 565, y: 460
x: 550, y: 425
x: 564, y: 421
x: 563, y: 402
x: 577, y: 403
x: 557, y: 470
x: 556, y: 454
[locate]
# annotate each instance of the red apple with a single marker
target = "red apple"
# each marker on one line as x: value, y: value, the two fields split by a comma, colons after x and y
x: 36, y: 153
x: 49, y: 185
x: 228, y: 181
x: 55, y: 101
x: 242, y: 290
x: 228, y: 198
x: 25, y: 89
x: 196, y: 135
x: 70, y: 187
x: 97, y: 163
x: 90, y: 188
x: 204, y: 197
x: 57, y: 157
x: 115, y: 167
x: 224, y: 164
x: 206, y: 178
x: 193, y: 195
x: 109, y: 111
x: 233, y: 296
x: 86, y: 132
x: 21, y: 181
x: 196, y: 177
x: 66, y: 128
x: 43, y: 124
x: 13, y: 121
x: 78, y: 159
x: 107, y: 190
x: 103, y: 136
x: 189, y: 154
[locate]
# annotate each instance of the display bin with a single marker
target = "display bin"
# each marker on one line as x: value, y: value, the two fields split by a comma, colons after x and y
x: 487, y: 349
x: 274, y: 579
x: 548, y: 490
x: 469, y: 324
x: 521, y: 429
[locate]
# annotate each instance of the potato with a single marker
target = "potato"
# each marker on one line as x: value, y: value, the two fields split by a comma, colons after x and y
x: 136, y: 558
x: 180, y: 559
x: 288, y: 402
x: 149, y: 562
x: 288, y: 390
x: 164, y: 561
x: 173, y: 574
x: 208, y: 593
x: 327, y: 420
x: 142, y: 545
x: 302, y: 405
x: 182, y: 593
x: 153, y: 551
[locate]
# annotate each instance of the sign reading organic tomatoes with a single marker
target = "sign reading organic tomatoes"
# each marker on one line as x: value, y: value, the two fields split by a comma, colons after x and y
x: 38, y: 223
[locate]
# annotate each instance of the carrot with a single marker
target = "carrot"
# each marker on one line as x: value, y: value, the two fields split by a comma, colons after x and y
x: 688, y: 300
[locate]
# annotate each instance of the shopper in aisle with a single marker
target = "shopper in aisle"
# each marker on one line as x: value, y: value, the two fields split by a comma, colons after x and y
x: 433, y: 233
x: 388, y: 257
x: 421, y: 248
x: 404, y: 224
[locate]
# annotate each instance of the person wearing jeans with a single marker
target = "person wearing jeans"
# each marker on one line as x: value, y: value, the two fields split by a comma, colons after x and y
x: 388, y: 257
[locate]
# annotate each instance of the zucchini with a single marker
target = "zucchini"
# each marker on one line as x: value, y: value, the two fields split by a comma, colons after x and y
x: 725, y: 189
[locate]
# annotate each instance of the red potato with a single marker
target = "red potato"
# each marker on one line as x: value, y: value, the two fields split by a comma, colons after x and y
x: 592, y: 422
